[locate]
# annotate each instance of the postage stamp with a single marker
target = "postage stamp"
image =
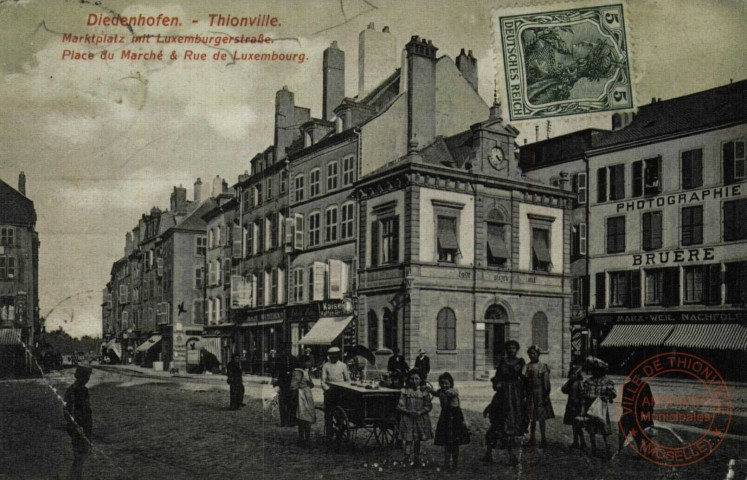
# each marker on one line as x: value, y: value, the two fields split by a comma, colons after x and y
x: 668, y: 427
x: 566, y: 62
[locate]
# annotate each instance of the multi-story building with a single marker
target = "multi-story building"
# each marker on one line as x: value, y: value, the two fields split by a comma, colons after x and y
x: 562, y: 162
x: 224, y: 244
x: 19, y: 279
x: 667, y: 236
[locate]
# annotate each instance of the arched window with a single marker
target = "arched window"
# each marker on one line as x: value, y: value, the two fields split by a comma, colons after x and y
x: 446, y: 329
x: 539, y: 331
x: 373, y: 331
x: 496, y: 314
x: 390, y: 329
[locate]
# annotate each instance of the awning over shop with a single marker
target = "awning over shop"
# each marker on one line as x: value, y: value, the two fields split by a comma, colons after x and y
x: 714, y: 336
x: 10, y: 336
x: 211, y: 344
x: 637, y: 335
x: 326, y: 330
x: 115, y: 347
x: 151, y: 342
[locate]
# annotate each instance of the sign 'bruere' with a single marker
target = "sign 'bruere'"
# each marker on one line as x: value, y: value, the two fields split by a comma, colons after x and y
x: 681, y: 198
x: 674, y: 256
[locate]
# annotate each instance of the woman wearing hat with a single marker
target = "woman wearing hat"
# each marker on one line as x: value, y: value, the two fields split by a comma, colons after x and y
x: 538, y: 394
x: 511, y: 414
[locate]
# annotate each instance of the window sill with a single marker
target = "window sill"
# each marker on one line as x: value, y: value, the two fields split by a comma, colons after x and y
x: 447, y: 352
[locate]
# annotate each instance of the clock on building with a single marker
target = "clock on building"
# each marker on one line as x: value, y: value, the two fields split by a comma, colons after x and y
x: 497, y: 159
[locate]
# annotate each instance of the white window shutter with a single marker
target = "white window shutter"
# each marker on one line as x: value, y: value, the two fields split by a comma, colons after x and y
x: 299, y: 231
x: 336, y: 268
x: 236, y: 285
x: 281, y: 285
x: 319, y: 271
x: 289, y: 233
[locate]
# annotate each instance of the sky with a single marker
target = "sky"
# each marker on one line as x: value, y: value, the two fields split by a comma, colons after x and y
x: 103, y: 141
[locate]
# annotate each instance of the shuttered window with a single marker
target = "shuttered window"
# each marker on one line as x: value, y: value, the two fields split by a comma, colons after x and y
x: 692, y: 168
x: 616, y: 234
x: 448, y: 246
x: 692, y: 225
x: 735, y: 220
x: 446, y: 329
x: 652, y: 227
x: 617, y: 182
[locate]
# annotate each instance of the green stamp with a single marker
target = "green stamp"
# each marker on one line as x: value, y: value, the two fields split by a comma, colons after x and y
x: 567, y: 62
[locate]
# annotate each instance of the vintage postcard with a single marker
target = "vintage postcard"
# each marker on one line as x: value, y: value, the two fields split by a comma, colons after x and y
x: 373, y: 239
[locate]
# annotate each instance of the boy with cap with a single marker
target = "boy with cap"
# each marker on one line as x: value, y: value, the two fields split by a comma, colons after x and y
x: 79, y: 419
x: 333, y: 370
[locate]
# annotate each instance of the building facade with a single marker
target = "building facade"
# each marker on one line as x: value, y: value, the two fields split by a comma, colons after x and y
x: 667, y: 211
x: 19, y: 280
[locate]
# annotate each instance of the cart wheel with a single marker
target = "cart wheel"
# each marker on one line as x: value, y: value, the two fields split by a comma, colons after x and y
x: 340, y: 428
x: 384, y: 435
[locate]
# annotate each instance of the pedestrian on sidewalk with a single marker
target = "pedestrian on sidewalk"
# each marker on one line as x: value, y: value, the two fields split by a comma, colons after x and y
x: 599, y: 391
x: 509, y: 418
x: 306, y: 412
x: 451, y: 429
x: 423, y: 363
x: 574, y: 408
x: 414, y: 422
x: 79, y: 418
x: 538, y: 394
x: 332, y: 371
x: 236, y: 382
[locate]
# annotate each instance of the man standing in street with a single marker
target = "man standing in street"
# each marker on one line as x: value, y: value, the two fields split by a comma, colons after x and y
x: 423, y: 365
x: 236, y: 382
x: 332, y: 371
x: 79, y: 419
x: 397, y: 368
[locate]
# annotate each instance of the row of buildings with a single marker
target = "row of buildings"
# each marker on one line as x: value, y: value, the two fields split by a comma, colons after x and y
x: 20, y: 327
x: 407, y: 218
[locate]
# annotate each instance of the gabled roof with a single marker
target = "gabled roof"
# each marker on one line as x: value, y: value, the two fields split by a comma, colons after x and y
x: 711, y: 108
x: 194, y: 221
x: 557, y: 150
x: 16, y: 208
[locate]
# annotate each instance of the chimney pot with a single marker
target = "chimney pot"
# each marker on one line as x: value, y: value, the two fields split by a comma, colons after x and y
x: 22, y: 183
x: 462, y: 52
x: 386, y: 29
x: 470, y: 54
x: 371, y: 26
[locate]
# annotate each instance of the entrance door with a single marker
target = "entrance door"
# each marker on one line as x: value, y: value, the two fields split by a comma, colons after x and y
x: 495, y: 337
x: 496, y: 323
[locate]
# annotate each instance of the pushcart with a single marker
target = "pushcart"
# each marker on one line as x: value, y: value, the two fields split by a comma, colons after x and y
x: 370, y: 408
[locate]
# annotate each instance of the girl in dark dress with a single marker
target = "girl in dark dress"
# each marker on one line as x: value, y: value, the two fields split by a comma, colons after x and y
x: 510, y: 386
x: 451, y: 430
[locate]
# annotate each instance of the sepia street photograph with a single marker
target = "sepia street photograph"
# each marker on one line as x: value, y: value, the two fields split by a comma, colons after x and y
x: 373, y: 239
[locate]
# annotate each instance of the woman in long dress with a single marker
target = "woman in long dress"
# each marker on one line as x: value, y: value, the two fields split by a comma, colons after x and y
x: 510, y: 388
x: 301, y: 384
x: 538, y: 394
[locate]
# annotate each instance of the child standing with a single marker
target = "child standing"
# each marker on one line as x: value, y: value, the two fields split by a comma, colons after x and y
x: 451, y: 430
x: 491, y: 412
x: 305, y: 413
x: 573, y: 387
x: 414, y: 423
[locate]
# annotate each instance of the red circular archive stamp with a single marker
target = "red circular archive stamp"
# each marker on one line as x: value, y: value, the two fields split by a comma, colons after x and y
x: 681, y: 421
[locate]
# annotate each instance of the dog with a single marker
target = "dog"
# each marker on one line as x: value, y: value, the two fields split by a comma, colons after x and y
x: 174, y: 371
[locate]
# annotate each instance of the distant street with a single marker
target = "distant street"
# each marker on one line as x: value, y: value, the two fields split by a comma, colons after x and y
x: 181, y: 428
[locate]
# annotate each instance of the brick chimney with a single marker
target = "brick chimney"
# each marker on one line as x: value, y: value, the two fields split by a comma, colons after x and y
x: 198, y: 191
x: 128, y: 243
x: 421, y: 91
x: 179, y: 200
x: 284, y: 121
x: 333, y: 66
x: 467, y: 65
x: 217, y: 186
x: 377, y: 58
x: 22, y: 183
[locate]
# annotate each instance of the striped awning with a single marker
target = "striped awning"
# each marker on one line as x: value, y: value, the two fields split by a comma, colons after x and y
x: 151, y: 342
x: 637, y: 336
x: 212, y: 345
x: 10, y: 336
x: 713, y: 336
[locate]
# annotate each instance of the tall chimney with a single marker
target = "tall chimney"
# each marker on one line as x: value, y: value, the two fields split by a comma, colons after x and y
x: 333, y: 66
x: 22, y: 183
x: 179, y: 200
x: 284, y: 121
x: 128, y: 243
x: 421, y: 91
x: 198, y: 191
x: 467, y: 65
x: 377, y: 58
x: 217, y: 186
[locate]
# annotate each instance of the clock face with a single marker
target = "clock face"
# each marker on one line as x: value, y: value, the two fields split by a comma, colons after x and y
x: 496, y: 158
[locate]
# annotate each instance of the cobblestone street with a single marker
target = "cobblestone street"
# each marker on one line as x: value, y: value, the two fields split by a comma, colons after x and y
x: 180, y: 428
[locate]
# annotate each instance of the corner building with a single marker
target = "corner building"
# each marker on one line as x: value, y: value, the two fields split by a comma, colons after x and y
x: 668, y: 231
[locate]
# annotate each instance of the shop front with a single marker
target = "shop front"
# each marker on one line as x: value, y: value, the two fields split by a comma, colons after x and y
x: 717, y: 336
x: 260, y: 333
x: 317, y: 326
